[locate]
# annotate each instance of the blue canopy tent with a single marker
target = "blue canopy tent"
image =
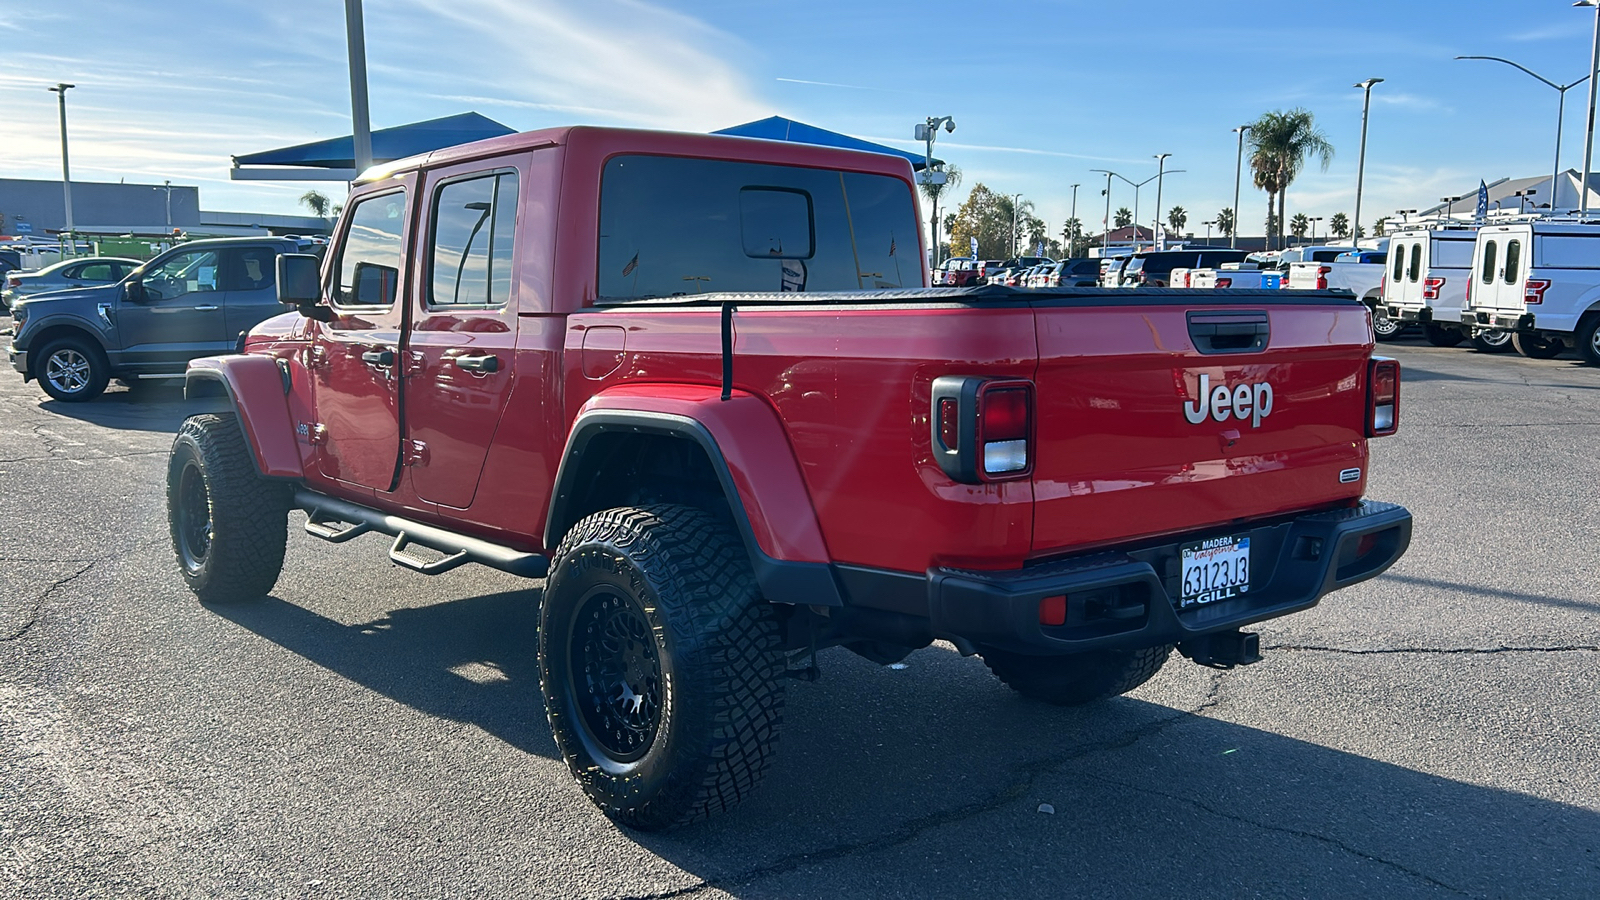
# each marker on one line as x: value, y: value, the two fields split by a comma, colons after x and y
x: 777, y: 128
x: 334, y: 158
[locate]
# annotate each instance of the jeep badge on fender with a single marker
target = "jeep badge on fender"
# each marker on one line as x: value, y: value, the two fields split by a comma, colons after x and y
x: 1247, y: 401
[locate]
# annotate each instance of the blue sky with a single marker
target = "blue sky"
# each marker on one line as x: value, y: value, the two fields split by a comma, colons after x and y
x: 1042, y: 92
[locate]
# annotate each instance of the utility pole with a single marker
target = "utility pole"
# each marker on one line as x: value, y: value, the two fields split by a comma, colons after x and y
x: 929, y: 132
x: 1588, y: 138
x: 1074, y: 219
x: 1238, y: 169
x: 1161, y: 230
x: 1014, y: 199
x: 355, y: 38
x: 60, y: 90
x: 1105, y: 239
x: 1361, y: 165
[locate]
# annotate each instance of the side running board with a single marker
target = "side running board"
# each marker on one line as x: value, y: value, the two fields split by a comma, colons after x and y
x: 337, y: 521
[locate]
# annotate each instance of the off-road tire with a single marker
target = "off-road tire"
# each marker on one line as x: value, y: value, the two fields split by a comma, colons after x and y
x: 677, y: 579
x: 236, y: 552
x: 1385, y: 328
x: 1077, y: 679
x: 1537, y: 346
x: 1589, y: 341
x: 1492, y: 342
x: 1440, y: 336
x: 82, y: 374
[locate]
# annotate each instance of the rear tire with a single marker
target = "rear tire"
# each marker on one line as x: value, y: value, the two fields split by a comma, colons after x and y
x: 660, y: 665
x: 1492, y: 342
x: 229, y: 525
x: 1385, y: 328
x: 72, y: 370
x: 1589, y: 341
x: 1440, y: 336
x: 1536, y: 346
x: 1077, y: 679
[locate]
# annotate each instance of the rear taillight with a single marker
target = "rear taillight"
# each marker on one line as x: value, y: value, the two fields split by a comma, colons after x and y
x: 14, y: 282
x: 1383, y: 284
x: 1224, y: 282
x: 1533, y: 292
x: 1322, y: 277
x: 1383, y: 396
x: 1005, y: 418
x: 983, y: 428
x: 1430, y: 288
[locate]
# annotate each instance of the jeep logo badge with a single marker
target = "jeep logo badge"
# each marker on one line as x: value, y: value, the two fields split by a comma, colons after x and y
x: 1247, y: 401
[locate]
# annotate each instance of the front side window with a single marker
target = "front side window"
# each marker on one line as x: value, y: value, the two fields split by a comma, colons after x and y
x: 1513, y: 260
x: 1489, y: 254
x: 1415, y: 271
x: 191, y: 272
x: 474, y: 225
x: 673, y: 226
x: 369, y: 259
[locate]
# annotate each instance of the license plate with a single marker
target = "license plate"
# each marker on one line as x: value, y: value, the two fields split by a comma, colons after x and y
x: 1214, y: 570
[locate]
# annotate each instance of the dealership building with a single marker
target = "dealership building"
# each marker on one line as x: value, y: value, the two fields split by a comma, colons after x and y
x: 37, y: 209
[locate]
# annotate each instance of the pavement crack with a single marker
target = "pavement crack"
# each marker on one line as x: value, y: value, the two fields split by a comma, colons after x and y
x: 1465, y: 651
x: 38, y: 604
x: 1282, y: 829
x: 1023, y: 778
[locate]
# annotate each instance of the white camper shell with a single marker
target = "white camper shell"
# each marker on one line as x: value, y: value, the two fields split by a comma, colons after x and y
x: 1426, y: 282
x: 1540, y: 281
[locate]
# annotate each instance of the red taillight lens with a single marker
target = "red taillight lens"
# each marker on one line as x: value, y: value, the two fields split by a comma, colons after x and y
x: 1053, y: 610
x: 1224, y: 282
x: 1383, y: 397
x: 1322, y: 277
x: 950, y: 423
x: 1534, y: 291
x: 1005, y: 430
x: 1430, y: 288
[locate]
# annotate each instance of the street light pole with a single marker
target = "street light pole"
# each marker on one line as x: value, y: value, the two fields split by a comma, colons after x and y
x: 355, y: 39
x: 1074, y: 219
x: 1238, y: 169
x: 1105, y: 239
x: 1014, y: 199
x: 1208, y: 231
x: 1361, y: 165
x: 1588, y: 138
x: 60, y: 90
x: 1561, y: 111
x: 1161, y: 231
x: 929, y: 132
x: 168, y: 185
x: 1314, y: 221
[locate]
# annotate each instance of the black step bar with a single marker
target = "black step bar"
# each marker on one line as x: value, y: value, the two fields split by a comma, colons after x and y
x: 337, y: 521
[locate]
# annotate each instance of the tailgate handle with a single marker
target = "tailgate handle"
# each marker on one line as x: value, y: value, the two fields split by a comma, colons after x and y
x: 1232, y: 332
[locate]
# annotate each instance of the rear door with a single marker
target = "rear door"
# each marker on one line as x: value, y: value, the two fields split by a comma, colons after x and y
x: 250, y: 276
x: 1499, y: 269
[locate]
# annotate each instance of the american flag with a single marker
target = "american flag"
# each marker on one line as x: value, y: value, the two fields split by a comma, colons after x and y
x: 891, y: 245
x: 632, y: 264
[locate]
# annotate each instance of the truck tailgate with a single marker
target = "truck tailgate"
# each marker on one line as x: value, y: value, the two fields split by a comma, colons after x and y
x: 1128, y: 449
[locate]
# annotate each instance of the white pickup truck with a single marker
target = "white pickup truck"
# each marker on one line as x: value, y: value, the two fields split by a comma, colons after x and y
x: 1539, y: 280
x: 1359, y: 273
x: 1236, y: 275
x: 1426, y: 283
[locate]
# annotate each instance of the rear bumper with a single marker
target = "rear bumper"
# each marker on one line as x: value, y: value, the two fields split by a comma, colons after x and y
x: 1420, y: 315
x: 1490, y: 320
x: 1127, y: 600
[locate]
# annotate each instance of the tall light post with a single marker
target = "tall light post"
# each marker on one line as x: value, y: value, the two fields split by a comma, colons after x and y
x: 1074, y: 219
x: 1450, y: 205
x: 1014, y: 199
x: 1561, y: 109
x: 356, y: 42
x: 1361, y: 165
x: 60, y: 90
x: 1105, y: 240
x: 1588, y: 134
x: 1314, y: 221
x: 1208, y: 231
x: 1161, y: 230
x: 928, y: 132
x: 1238, y: 169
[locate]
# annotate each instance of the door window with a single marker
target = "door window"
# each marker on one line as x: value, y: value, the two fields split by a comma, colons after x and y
x: 369, y: 259
x: 1489, y: 261
x: 1399, y: 263
x: 98, y: 272
x: 1415, y: 270
x: 1513, y: 260
x: 474, y: 224
x: 191, y: 272
x: 249, y: 269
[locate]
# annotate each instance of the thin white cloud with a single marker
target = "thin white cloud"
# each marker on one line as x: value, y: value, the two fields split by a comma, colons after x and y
x: 988, y: 148
x: 853, y: 87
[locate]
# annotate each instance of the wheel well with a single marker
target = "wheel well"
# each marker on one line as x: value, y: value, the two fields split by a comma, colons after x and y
x: 630, y: 469
x: 37, y: 343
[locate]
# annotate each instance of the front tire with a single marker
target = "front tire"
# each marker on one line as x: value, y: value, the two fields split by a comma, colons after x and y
x: 71, y: 370
x: 660, y: 665
x: 229, y: 525
x: 1440, y: 336
x: 1077, y: 679
x: 1537, y: 346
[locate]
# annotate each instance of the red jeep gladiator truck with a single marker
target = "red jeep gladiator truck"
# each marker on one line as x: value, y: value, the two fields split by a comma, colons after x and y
x: 700, y: 385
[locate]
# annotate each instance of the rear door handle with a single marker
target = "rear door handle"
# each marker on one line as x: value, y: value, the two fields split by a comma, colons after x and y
x: 206, y: 308
x: 383, y: 358
x: 478, y: 363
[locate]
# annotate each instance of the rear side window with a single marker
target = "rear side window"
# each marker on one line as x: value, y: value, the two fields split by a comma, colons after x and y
x: 671, y: 226
x: 1414, y: 272
x: 1489, y: 253
x: 474, y: 223
x: 249, y: 268
x: 97, y: 272
x: 369, y: 260
x: 1513, y: 260
x: 1399, y: 263
x: 1450, y: 255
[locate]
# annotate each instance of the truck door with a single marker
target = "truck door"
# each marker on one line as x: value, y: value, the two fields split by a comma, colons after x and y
x: 354, y: 357
x: 461, y: 346
x: 180, y: 315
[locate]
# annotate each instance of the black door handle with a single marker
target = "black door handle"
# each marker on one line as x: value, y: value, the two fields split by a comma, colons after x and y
x: 383, y: 358
x: 478, y: 363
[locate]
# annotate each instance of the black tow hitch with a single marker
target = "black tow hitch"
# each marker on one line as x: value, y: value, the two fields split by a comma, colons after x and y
x: 1223, y: 650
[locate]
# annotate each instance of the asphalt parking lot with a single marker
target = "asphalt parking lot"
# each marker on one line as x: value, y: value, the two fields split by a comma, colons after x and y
x: 366, y: 732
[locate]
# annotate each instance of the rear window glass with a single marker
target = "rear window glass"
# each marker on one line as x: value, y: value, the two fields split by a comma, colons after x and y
x: 1450, y: 255
x: 671, y: 226
x: 1399, y: 262
x: 1489, y: 259
x: 1324, y: 255
x: 1513, y: 260
x: 1414, y: 271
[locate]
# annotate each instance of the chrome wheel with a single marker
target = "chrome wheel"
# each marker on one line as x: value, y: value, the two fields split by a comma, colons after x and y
x: 68, y: 370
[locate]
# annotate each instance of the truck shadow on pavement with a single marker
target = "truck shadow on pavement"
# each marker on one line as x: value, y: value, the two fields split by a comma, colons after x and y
x: 146, y: 409
x: 928, y: 781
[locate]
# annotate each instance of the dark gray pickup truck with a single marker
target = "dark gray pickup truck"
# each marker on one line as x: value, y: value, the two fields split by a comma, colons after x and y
x: 192, y: 301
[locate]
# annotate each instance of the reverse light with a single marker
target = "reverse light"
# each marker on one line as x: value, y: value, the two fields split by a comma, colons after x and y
x: 1004, y: 419
x: 1533, y: 292
x: 1383, y: 396
x: 982, y: 428
x: 1430, y: 288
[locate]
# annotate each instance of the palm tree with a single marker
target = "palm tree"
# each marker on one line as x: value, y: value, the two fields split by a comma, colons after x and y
x: 952, y: 179
x: 1124, y: 217
x: 1177, y: 217
x: 1298, y: 226
x: 317, y: 202
x: 1339, y: 225
x: 1225, y: 221
x: 1280, y: 144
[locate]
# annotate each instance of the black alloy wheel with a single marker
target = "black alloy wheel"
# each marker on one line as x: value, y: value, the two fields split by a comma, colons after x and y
x: 191, y: 508
x: 614, y: 668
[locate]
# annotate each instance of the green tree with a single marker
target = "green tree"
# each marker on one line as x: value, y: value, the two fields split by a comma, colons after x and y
x: 952, y: 176
x: 1124, y: 217
x: 1380, y: 226
x: 1177, y: 217
x: 1280, y: 144
x: 1225, y: 221
x: 1339, y: 225
x: 1072, y: 237
x: 1299, y: 225
x: 316, y: 202
x: 986, y: 216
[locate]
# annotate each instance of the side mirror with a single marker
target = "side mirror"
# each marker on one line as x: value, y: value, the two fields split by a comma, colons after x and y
x: 299, y: 279
x: 133, y: 291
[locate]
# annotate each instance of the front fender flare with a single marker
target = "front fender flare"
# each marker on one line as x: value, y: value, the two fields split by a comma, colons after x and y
x: 252, y: 386
x: 750, y: 453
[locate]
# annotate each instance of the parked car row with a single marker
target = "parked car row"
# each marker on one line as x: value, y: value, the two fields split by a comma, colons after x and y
x: 69, y: 273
